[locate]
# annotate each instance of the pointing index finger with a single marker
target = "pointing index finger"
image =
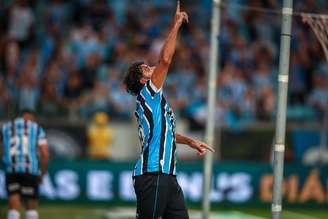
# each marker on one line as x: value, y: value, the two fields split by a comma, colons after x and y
x: 178, y: 6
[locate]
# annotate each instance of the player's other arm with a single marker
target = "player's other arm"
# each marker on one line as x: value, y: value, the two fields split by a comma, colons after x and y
x: 43, y: 145
x: 44, y: 159
x: 168, y: 49
x: 1, y: 147
x: 200, y: 146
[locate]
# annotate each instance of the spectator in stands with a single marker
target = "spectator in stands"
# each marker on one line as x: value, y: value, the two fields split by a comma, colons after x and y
x: 84, y: 44
x: 297, y: 85
x: 51, y: 103
x: 262, y: 76
x: 265, y: 103
x: 89, y: 72
x: 95, y: 100
x: 29, y: 83
x: 100, y: 137
x: 72, y: 97
x: 72, y: 88
x: 121, y: 102
x: 5, y: 97
x: 57, y: 14
x: 246, y: 106
x: 11, y: 66
x: 21, y: 20
x: 319, y: 95
x: 97, y: 13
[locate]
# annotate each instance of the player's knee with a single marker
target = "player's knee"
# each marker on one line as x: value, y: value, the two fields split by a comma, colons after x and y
x: 32, y: 214
x: 31, y: 204
x: 14, y: 202
x: 13, y: 214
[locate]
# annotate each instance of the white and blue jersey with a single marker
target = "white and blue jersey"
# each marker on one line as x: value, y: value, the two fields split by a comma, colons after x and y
x: 21, y: 140
x: 156, y: 125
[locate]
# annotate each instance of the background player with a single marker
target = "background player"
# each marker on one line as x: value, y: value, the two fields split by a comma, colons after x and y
x: 158, y: 193
x: 22, y: 142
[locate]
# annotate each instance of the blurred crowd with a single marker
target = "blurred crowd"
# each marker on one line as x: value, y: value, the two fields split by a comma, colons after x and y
x: 67, y: 58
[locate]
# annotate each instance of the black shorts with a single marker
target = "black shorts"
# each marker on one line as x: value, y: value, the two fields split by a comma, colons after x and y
x: 159, y: 195
x: 26, y: 185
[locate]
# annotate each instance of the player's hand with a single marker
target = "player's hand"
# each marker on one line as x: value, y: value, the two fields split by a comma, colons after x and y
x: 40, y: 178
x: 180, y: 16
x: 201, y: 147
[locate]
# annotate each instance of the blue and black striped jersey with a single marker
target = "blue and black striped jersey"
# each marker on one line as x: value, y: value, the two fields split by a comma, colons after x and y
x: 156, y: 124
x: 21, y: 140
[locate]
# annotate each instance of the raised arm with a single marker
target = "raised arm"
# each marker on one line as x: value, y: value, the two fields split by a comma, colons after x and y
x: 168, y: 49
x: 200, y: 146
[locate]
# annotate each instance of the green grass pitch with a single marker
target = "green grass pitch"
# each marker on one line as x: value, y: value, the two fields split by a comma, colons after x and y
x: 85, y: 212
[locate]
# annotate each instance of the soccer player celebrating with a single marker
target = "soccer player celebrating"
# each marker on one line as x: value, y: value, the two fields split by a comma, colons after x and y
x: 22, y: 141
x: 157, y: 190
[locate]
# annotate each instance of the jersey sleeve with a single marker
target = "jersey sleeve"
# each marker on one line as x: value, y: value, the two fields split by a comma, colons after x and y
x: 41, y: 137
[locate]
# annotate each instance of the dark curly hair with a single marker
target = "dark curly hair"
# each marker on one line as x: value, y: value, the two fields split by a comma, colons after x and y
x: 27, y: 111
x: 132, y: 79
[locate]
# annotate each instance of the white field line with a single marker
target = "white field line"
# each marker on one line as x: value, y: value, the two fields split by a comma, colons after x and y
x: 298, y: 215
